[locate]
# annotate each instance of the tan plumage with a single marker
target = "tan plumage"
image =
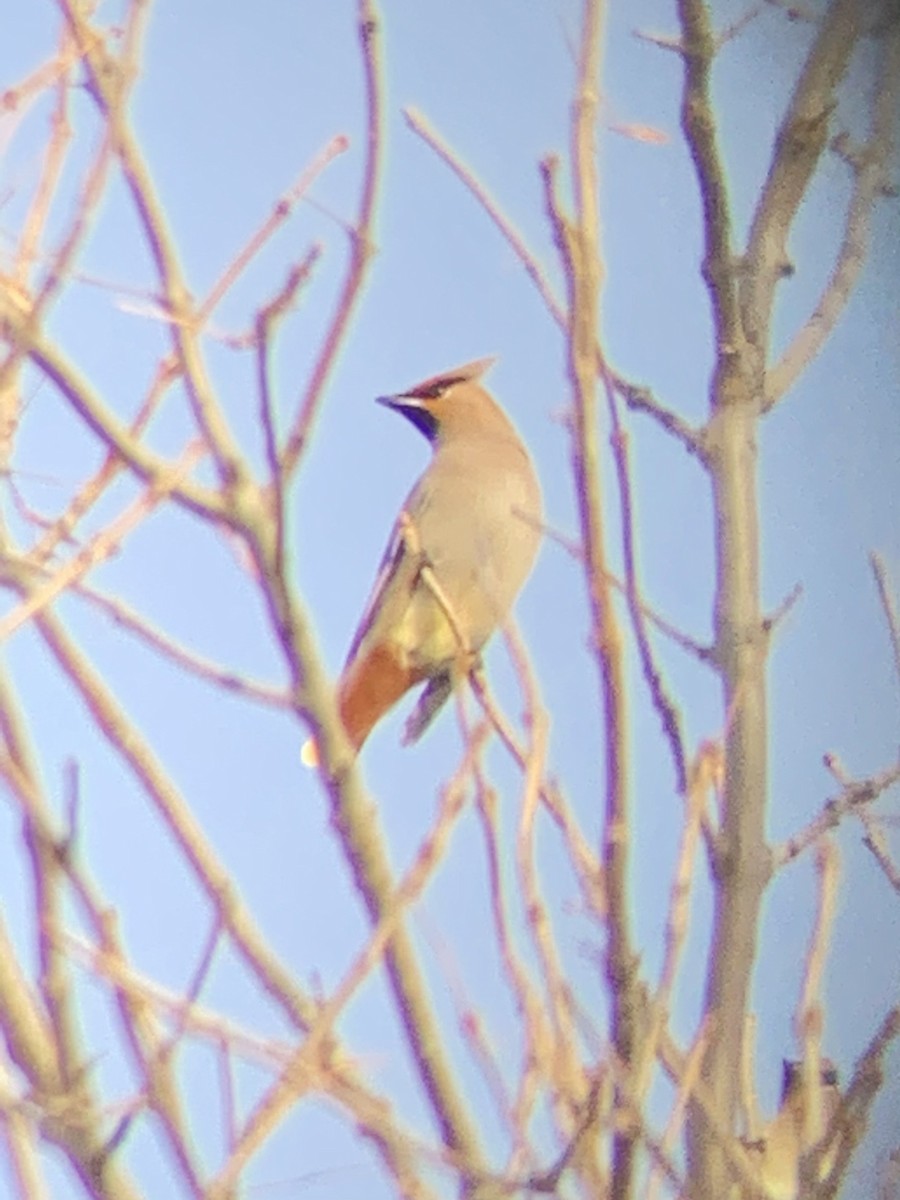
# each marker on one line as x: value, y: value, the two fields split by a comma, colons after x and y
x: 794, y: 1130
x: 471, y: 520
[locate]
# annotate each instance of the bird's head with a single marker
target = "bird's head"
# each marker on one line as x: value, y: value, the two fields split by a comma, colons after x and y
x: 444, y: 403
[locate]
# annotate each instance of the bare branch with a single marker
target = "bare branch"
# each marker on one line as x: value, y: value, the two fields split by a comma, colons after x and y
x: 801, y: 138
x: 676, y: 925
x: 265, y: 323
x: 61, y: 530
x: 180, y: 655
x: 698, y: 121
x: 282, y: 209
x: 688, y: 1082
x: 51, y: 172
x: 311, y: 1060
x: 208, y: 871
x: 854, y: 794
x: 578, y: 248
x: 108, y: 77
x: 849, y: 1123
x: 809, y: 1018
x: 665, y: 708
x: 362, y: 246
x: 103, y: 545
x: 870, y: 166
x: 19, y: 1131
x: 423, y: 128
x: 703, y: 653
x: 640, y: 399
x: 111, y: 432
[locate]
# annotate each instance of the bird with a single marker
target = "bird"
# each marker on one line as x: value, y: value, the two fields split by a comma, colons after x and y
x: 795, y: 1130
x: 460, y: 550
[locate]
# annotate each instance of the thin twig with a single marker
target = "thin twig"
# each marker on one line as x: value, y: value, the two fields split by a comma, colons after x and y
x: 771, y: 622
x: 281, y: 210
x: 641, y: 399
x: 589, y: 875
x: 802, y: 136
x: 870, y: 168
x: 577, y: 243
x: 266, y: 319
x: 687, y: 1085
x: 703, y: 653
x: 187, y: 660
x: 51, y: 172
x: 209, y: 873
x: 702, y: 778
x: 89, y: 494
x: 885, y: 595
x: 849, y: 1123
x: 668, y: 714
x: 117, y: 437
x: 107, y: 75
x: 876, y: 843
x: 808, y: 1019
x: 636, y: 397
x: 309, y: 1063
x: 105, y: 544
x: 362, y: 246
x: 420, y: 125
x: 854, y: 794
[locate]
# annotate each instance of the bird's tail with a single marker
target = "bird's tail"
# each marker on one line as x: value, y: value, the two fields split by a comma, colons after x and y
x: 429, y: 704
x: 370, y: 686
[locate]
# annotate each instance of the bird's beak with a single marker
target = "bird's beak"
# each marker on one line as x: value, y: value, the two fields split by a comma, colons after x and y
x: 416, y: 410
x: 394, y: 402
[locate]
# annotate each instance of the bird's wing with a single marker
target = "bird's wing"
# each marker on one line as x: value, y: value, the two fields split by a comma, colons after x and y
x: 396, y: 577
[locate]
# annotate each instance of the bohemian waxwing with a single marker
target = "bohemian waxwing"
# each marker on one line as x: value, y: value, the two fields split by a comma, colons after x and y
x: 463, y: 544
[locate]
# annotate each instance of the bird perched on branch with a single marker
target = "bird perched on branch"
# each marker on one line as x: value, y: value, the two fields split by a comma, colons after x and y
x: 461, y: 549
x: 800, y: 1124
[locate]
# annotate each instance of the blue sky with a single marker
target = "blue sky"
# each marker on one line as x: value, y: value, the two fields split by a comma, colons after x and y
x: 233, y: 101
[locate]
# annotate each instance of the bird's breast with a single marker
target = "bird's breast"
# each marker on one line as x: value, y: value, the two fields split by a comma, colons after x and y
x: 479, y: 532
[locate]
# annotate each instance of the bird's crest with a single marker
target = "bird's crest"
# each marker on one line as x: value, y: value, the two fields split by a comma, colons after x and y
x: 467, y: 373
